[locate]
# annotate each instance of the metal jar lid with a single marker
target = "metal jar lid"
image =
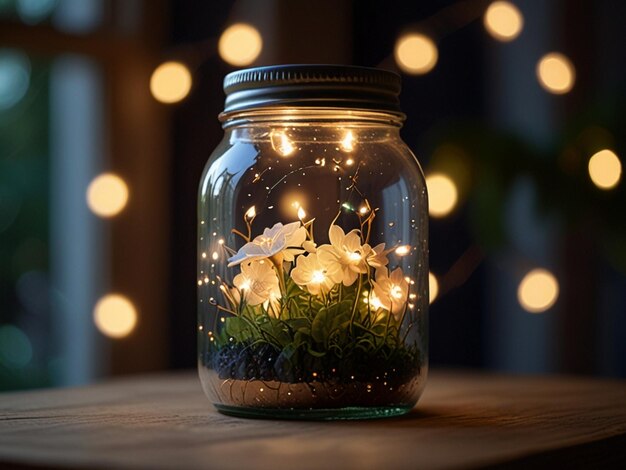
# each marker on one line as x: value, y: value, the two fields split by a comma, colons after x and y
x: 314, y: 86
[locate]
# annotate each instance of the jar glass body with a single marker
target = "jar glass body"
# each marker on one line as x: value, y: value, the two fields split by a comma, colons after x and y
x: 313, y: 267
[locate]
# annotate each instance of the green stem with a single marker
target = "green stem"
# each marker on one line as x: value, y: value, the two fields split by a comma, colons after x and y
x: 356, y: 304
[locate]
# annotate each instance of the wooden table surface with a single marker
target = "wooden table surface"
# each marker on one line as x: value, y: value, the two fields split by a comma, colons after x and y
x: 464, y: 420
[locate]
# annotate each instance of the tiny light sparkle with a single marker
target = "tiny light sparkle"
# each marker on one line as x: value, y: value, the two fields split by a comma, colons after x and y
x: 281, y: 143
x: 403, y: 250
x: 347, y: 143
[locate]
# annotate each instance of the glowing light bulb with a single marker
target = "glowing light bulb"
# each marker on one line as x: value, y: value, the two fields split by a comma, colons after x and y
x: 538, y: 291
x: 416, y: 53
x: 347, y: 144
x: 363, y: 210
x: 251, y: 213
x: 375, y: 302
x: 281, y: 143
x: 215, y: 256
x: 503, y: 21
x: 170, y: 82
x: 396, y: 292
x: 433, y: 287
x: 240, y: 44
x: 301, y: 213
x: 115, y: 316
x: 107, y: 195
x: 403, y: 250
x: 442, y: 194
x: 605, y: 169
x: 318, y: 277
x: 556, y: 73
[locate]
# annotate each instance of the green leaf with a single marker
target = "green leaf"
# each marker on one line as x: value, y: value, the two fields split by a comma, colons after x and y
x: 320, y: 326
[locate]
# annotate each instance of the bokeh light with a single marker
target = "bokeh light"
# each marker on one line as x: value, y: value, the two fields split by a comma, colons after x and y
x: 14, y: 77
x: 107, y: 195
x: 34, y: 11
x: 115, y: 316
x: 442, y: 194
x: 556, y: 73
x: 415, y: 53
x: 538, y: 291
x: 291, y: 202
x: 240, y: 44
x: 605, y: 169
x: 16, y: 350
x: 503, y: 21
x: 433, y: 287
x: 170, y: 82
x: 281, y: 143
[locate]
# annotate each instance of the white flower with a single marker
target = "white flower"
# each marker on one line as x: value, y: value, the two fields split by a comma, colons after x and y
x: 310, y: 246
x: 318, y: 272
x: 348, y: 252
x: 391, y: 290
x: 257, y: 282
x: 285, y: 239
x: 376, y: 257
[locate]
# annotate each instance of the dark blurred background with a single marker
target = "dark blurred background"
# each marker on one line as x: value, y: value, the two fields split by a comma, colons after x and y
x: 108, y: 113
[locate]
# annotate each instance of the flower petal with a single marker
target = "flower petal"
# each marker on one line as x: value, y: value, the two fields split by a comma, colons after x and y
x: 336, y: 235
x: 297, y: 238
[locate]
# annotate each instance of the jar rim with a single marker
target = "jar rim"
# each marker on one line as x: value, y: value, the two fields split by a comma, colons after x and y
x: 312, y: 86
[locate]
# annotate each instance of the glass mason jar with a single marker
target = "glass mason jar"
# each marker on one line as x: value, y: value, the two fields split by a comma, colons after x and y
x: 312, y: 249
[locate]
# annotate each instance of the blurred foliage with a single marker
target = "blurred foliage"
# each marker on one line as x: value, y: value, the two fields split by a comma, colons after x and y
x: 24, y: 236
x: 486, y: 162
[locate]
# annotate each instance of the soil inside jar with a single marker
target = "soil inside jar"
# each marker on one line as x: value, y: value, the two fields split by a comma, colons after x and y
x: 264, y: 377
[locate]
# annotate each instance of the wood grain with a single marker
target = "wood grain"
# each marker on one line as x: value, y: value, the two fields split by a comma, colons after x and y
x: 463, y: 420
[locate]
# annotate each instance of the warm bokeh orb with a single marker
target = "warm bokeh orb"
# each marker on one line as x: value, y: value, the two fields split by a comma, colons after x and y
x: 433, y: 287
x: 556, y: 73
x: 416, y: 53
x: 107, y: 195
x: 503, y: 21
x: 538, y: 291
x: 605, y: 169
x: 115, y: 316
x: 240, y: 44
x: 170, y: 82
x: 442, y: 194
